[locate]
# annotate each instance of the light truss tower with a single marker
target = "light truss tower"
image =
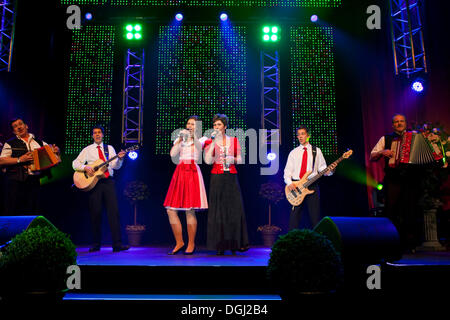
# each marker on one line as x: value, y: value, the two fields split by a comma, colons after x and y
x: 270, y: 95
x: 7, y: 27
x: 407, y: 37
x: 133, y: 97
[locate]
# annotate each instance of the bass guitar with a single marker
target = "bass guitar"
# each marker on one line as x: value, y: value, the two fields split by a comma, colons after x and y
x: 84, y: 182
x: 296, y: 196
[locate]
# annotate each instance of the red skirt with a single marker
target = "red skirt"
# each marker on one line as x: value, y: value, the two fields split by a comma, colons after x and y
x: 187, y: 189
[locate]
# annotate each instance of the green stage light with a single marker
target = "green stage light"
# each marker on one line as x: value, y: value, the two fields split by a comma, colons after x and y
x: 133, y: 32
x: 379, y: 186
x: 270, y: 33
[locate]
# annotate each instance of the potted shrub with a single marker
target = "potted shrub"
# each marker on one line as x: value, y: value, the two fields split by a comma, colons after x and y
x: 273, y: 193
x: 136, y: 191
x: 34, y: 264
x: 304, y: 262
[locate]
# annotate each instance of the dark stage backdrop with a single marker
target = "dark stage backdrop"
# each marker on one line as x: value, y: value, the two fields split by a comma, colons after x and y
x: 366, y: 95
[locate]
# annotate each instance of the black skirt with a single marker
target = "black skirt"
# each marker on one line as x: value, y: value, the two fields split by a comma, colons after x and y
x: 227, y: 228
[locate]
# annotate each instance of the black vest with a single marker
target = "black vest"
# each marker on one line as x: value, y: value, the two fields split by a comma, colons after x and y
x: 19, y: 148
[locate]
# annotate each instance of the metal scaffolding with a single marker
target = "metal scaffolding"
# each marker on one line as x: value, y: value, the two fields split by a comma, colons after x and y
x: 270, y: 96
x: 133, y: 97
x: 407, y: 37
x: 7, y: 28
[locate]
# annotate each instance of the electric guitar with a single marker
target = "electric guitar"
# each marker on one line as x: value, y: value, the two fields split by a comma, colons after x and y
x: 84, y: 182
x: 296, y: 196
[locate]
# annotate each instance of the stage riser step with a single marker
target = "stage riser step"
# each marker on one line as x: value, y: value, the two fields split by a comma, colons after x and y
x: 183, y: 280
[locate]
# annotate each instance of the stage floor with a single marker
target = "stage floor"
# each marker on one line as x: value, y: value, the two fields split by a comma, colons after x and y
x: 157, y: 256
x: 254, y: 257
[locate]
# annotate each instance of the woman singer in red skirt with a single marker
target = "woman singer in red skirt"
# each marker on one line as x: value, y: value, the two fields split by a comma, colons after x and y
x: 187, y: 189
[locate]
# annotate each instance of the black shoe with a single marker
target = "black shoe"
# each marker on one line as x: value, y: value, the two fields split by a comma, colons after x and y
x: 120, y: 248
x: 94, y: 249
x: 243, y: 249
x: 176, y: 251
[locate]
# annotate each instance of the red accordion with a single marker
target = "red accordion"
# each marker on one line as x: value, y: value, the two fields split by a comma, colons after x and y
x: 413, y: 148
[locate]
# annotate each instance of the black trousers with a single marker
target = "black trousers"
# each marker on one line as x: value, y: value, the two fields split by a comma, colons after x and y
x: 104, y: 193
x: 402, y: 195
x: 22, y: 197
x: 312, y: 203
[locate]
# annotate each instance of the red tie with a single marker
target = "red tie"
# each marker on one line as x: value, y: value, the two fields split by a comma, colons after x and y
x: 100, y: 155
x: 304, y: 163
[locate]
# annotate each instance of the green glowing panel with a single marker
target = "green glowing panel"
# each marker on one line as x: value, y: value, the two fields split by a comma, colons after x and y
x: 214, y: 3
x: 201, y: 71
x: 313, y: 85
x: 90, y: 85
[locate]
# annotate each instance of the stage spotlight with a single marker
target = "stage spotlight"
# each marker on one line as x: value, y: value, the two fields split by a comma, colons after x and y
x: 224, y: 17
x: 179, y: 17
x: 379, y: 187
x: 271, y: 156
x: 314, y: 18
x: 88, y: 16
x: 417, y: 86
x: 270, y: 33
x: 133, y: 155
x: 133, y: 32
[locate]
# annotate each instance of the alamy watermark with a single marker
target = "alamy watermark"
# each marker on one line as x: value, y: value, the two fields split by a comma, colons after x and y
x: 255, y: 152
x: 374, y: 20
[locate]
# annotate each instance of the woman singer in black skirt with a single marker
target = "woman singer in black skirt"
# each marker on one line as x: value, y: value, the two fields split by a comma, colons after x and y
x: 227, y: 228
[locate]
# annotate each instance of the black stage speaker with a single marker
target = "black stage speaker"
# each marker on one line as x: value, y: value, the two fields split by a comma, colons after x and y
x: 13, y: 225
x: 362, y: 240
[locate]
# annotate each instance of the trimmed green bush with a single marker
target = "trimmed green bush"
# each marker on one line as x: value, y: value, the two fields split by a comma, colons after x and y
x: 37, y: 260
x: 305, y: 261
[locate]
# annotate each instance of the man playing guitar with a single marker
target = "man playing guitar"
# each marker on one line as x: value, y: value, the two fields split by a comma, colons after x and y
x: 103, y: 190
x: 303, y: 159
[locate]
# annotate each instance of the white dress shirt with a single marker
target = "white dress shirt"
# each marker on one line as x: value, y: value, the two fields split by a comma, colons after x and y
x: 90, y: 154
x: 380, y: 146
x: 294, y: 163
x: 31, y: 145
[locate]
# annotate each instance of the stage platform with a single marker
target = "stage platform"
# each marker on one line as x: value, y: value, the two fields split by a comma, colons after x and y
x: 149, y: 274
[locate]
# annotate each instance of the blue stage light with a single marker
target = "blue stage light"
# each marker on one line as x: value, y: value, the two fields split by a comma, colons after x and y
x: 314, y: 18
x: 88, y: 16
x: 133, y: 155
x: 417, y: 86
x: 271, y: 156
x: 179, y: 17
x: 224, y: 17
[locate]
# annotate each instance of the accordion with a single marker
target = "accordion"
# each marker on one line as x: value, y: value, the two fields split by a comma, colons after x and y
x: 44, y: 158
x: 413, y: 148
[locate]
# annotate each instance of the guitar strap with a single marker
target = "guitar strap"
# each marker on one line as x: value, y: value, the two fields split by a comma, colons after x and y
x: 106, y: 151
x: 314, y: 152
